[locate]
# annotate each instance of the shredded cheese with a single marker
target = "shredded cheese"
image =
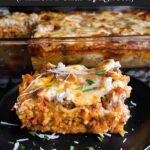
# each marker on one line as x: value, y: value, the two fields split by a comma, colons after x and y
x: 134, y: 104
x: 124, y: 140
x: 49, y: 137
x: 107, y: 134
x: 76, y: 142
x: 8, y: 124
x: 22, y: 140
x: 16, y: 146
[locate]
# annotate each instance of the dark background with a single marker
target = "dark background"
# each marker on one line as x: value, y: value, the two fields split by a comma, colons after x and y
x: 68, y: 3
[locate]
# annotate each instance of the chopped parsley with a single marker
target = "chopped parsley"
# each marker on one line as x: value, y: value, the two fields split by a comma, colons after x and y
x: 101, y: 138
x: 83, y: 90
x: 86, y: 90
x: 100, y: 72
x: 79, y: 88
x: 90, y: 82
x: 91, y: 148
x: 33, y: 133
x: 34, y: 144
x: 71, y: 147
x: 11, y: 142
x: 22, y: 147
x: 45, y: 138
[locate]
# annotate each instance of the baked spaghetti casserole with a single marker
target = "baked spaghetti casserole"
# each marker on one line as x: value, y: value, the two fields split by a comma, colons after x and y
x: 77, y: 48
x: 84, y: 31
x: 17, y: 25
x: 75, y: 99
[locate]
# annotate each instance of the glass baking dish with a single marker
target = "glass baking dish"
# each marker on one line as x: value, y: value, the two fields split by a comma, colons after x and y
x: 18, y: 55
x: 131, y: 51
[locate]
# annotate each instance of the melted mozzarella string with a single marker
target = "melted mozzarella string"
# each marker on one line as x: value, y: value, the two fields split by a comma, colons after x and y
x: 63, y: 72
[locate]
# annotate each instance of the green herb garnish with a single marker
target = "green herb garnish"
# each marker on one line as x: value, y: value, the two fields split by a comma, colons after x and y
x: 79, y: 88
x: 90, y: 82
x: 11, y: 142
x: 45, y: 138
x: 101, y: 138
x: 91, y: 148
x: 71, y: 147
x: 87, y: 90
x: 22, y: 147
x: 100, y: 72
x: 33, y: 133
x: 34, y: 144
x: 83, y: 90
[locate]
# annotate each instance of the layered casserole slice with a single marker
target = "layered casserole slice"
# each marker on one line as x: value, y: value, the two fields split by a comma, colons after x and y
x: 75, y: 99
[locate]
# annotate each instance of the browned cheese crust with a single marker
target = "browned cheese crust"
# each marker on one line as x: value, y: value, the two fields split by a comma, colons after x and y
x: 17, y: 25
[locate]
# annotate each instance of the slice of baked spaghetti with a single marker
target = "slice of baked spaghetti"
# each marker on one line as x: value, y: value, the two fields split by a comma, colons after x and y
x: 75, y: 99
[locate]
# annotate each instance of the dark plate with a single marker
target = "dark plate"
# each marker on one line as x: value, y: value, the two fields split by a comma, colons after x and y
x: 138, y: 127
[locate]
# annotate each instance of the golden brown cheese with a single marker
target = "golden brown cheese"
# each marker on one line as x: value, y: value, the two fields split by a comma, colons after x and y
x: 74, y: 24
x: 17, y: 25
x: 80, y: 24
x: 75, y: 99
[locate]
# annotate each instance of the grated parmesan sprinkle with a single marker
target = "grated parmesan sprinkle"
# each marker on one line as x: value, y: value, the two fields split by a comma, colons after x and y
x: 8, y: 124
x: 134, y: 104
x: 132, y: 129
x: 124, y: 140
x: 16, y: 146
x: 147, y: 148
x: 22, y: 140
x: 49, y: 137
x: 76, y: 142
x: 107, y: 134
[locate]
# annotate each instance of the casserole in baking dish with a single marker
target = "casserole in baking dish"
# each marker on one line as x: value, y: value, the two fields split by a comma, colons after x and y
x: 82, y: 37
x: 85, y: 44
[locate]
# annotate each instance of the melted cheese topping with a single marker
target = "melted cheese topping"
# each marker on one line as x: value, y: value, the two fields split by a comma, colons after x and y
x: 78, y: 84
x: 18, y: 19
x: 79, y: 24
x: 92, y: 24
